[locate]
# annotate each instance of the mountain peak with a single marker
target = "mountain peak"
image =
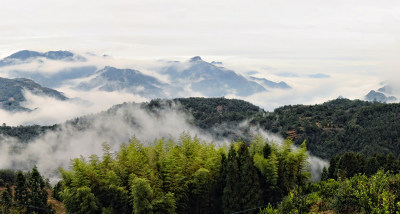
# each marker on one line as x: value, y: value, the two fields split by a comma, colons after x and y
x: 375, y: 96
x: 196, y: 59
x: 25, y: 56
x: 12, y: 93
x: 58, y: 55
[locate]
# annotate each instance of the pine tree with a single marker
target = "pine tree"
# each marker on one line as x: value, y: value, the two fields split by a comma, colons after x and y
x: 267, y: 150
x: 324, y: 174
x: 57, y: 189
x: 200, y: 191
x: 21, y: 193
x: 249, y: 189
x: 37, y: 195
x: 8, y: 188
x: 231, y: 197
x: 390, y: 163
x: 332, y: 167
x: 360, y: 163
x: 218, y: 187
x: 348, y: 165
x: 371, y: 166
x: 6, y: 201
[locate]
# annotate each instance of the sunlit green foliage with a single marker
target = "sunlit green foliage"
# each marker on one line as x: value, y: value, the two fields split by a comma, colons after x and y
x: 183, y: 176
x: 378, y: 193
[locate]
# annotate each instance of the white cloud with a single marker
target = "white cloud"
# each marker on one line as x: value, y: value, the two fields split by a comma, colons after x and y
x: 290, y: 29
x: 347, y: 80
x: 355, y: 42
x: 50, y: 111
x: 312, y: 91
x: 56, y: 148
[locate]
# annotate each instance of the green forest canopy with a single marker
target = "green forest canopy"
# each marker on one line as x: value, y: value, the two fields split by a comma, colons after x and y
x: 183, y: 176
x: 331, y: 128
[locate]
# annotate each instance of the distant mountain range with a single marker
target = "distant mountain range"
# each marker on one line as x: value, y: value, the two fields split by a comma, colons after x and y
x: 12, y: 93
x: 128, y: 80
x: 210, y: 79
x: 26, y: 56
x: 195, y: 75
x: 270, y: 84
x: 47, y: 79
x: 375, y: 96
x: 182, y: 79
x: 199, y: 76
x: 383, y: 95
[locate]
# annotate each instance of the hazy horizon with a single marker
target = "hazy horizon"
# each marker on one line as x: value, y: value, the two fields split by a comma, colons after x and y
x: 323, y: 50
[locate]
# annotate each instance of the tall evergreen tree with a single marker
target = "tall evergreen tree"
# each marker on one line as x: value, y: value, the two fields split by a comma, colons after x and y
x: 332, y: 167
x: 371, y: 166
x: 267, y: 150
x: 324, y: 174
x: 21, y: 191
x: 231, y: 197
x: 8, y: 188
x: 381, y: 159
x: 6, y: 201
x: 217, y: 190
x: 200, y: 191
x: 37, y: 195
x: 390, y: 163
x: 57, y: 189
x: 348, y: 165
x: 360, y: 163
x: 249, y: 184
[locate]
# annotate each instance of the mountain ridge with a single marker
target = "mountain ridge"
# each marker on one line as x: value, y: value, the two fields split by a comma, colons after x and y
x: 114, y: 79
x: 212, y: 80
x: 12, y: 93
x: 24, y: 56
x: 331, y: 128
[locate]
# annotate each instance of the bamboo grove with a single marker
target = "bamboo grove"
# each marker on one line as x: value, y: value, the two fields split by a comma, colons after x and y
x: 183, y: 176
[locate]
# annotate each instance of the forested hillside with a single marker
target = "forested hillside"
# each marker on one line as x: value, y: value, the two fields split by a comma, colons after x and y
x: 351, y: 184
x: 340, y: 126
x: 331, y: 128
x: 220, y: 117
x: 188, y: 175
x: 25, y: 133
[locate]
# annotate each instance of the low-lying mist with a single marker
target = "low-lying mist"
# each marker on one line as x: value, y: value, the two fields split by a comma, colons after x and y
x: 55, y: 149
x: 84, y: 136
x: 316, y: 164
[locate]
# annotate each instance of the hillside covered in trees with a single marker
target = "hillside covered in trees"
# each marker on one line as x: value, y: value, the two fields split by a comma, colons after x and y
x: 351, y: 184
x: 331, y: 128
x: 189, y: 175
x: 251, y: 175
x: 340, y: 126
